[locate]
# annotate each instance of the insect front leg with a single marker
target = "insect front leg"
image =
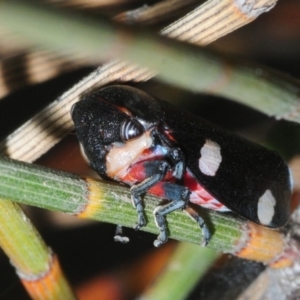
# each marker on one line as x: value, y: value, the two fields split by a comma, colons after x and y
x: 175, y: 154
x: 178, y: 159
x: 155, y: 172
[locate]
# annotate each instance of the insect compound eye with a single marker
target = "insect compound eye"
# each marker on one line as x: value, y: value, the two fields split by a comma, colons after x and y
x: 131, y: 129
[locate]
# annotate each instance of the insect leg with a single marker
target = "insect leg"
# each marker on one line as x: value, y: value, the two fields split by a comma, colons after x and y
x: 174, y: 153
x: 178, y: 159
x: 179, y: 196
x: 156, y: 171
x: 119, y: 237
x: 205, y: 231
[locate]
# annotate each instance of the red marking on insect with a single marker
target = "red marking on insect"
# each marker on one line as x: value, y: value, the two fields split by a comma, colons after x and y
x: 136, y: 173
x: 200, y: 196
x: 158, y: 189
x: 168, y: 133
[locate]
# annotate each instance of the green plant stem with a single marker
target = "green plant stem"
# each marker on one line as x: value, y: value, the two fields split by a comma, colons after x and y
x: 20, y: 240
x: 59, y: 191
x: 177, y: 63
x: 29, y: 254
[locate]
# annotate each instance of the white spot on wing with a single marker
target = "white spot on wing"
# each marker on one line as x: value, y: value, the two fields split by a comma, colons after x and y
x: 210, y: 159
x: 266, y: 208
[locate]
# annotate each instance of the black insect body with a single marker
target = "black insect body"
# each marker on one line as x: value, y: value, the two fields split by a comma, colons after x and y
x: 132, y: 137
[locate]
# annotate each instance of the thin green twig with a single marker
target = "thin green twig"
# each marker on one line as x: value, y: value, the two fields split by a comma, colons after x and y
x: 54, y: 190
x: 30, y: 256
x: 88, y: 198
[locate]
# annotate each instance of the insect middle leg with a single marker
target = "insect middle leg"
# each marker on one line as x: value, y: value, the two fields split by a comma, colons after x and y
x: 179, y: 196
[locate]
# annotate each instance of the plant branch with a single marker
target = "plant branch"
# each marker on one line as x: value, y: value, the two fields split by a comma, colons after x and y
x: 106, y: 202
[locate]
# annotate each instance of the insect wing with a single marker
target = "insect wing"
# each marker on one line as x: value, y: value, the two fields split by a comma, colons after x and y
x: 248, y: 178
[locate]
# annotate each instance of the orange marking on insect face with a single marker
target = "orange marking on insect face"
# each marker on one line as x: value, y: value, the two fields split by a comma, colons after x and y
x: 120, y: 157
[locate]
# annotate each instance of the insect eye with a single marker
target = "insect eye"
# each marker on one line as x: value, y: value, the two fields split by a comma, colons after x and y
x: 131, y: 129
